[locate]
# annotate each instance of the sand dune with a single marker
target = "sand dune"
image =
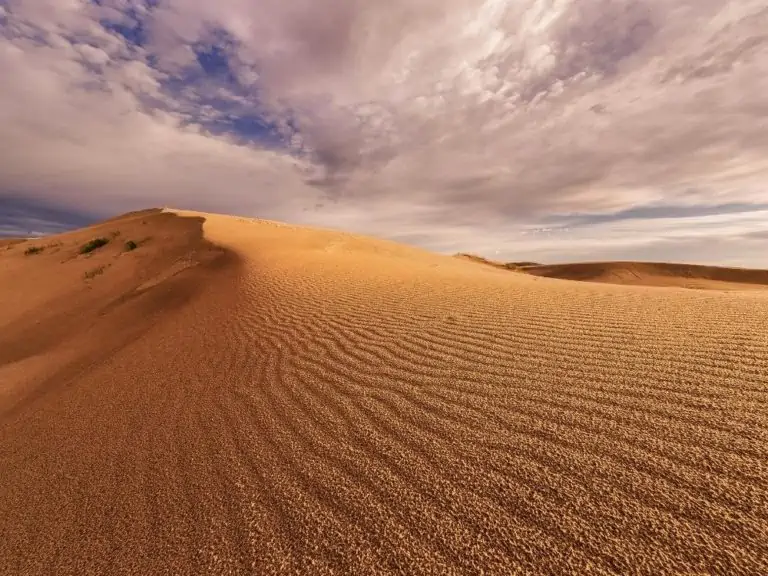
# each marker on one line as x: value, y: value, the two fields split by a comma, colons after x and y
x: 246, y: 397
x: 640, y: 273
x: 656, y: 274
x: 7, y: 243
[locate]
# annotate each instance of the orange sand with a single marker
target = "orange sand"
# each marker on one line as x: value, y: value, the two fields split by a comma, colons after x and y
x: 246, y: 397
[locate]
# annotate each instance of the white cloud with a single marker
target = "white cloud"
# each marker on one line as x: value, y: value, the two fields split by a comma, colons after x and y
x: 431, y: 118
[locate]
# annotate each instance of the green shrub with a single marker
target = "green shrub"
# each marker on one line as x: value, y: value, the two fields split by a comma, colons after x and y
x: 130, y: 245
x: 93, y: 245
x: 34, y: 250
x: 93, y: 273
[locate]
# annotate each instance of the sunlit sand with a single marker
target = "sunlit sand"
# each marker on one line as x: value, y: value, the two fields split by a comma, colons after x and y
x: 240, y: 396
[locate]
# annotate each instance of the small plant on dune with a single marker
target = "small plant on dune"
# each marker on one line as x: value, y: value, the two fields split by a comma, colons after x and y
x: 130, y: 246
x: 94, y: 272
x: 33, y: 250
x: 93, y: 245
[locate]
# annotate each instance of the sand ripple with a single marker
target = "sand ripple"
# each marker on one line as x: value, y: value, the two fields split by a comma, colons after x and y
x: 371, y: 409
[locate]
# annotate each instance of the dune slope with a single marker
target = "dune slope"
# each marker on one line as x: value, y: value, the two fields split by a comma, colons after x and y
x: 323, y: 403
x: 656, y: 274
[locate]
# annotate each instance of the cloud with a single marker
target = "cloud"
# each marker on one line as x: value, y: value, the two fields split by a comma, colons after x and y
x: 415, y: 119
x: 651, y: 212
x: 21, y: 218
x: 733, y: 236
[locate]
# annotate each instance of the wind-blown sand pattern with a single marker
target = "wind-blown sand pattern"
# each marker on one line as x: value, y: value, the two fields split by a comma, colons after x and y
x: 299, y: 401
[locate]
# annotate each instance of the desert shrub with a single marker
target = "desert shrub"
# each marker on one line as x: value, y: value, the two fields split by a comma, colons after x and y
x: 94, y: 272
x: 34, y: 250
x: 93, y: 245
x: 130, y: 245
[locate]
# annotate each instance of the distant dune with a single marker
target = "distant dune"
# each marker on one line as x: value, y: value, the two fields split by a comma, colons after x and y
x: 205, y: 394
x: 640, y: 273
x: 657, y: 274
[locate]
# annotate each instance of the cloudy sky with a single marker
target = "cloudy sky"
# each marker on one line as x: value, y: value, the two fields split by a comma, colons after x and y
x: 553, y: 130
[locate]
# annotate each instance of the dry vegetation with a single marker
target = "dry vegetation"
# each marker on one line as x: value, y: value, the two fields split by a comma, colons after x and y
x: 94, y: 244
x: 32, y: 250
x: 93, y: 272
x: 310, y: 402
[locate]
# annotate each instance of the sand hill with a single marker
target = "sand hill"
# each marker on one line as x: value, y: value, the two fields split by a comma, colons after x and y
x: 656, y: 274
x: 234, y: 396
x: 640, y: 273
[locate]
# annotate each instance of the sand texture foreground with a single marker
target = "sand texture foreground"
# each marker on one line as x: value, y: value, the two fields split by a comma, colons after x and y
x: 246, y: 397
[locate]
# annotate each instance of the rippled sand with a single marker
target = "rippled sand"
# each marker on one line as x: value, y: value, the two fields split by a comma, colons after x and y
x: 256, y: 398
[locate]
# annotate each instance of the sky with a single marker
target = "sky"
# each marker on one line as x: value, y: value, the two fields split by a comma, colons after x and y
x: 546, y: 130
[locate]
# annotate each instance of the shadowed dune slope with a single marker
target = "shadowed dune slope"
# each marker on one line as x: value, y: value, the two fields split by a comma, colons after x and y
x: 62, y: 307
x: 268, y: 399
x: 656, y: 274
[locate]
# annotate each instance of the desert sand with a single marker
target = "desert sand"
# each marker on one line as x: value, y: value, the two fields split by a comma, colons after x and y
x: 656, y: 274
x: 240, y: 396
x: 693, y: 276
